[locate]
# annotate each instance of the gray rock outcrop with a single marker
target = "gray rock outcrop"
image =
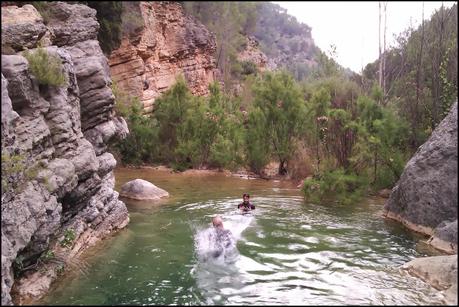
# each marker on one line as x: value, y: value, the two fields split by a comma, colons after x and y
x: 425, y: 197
x: 252, y: 53
x: 439, y: 271
x: 58, y: 193
x: 142, y: 190
x: 21, y: 27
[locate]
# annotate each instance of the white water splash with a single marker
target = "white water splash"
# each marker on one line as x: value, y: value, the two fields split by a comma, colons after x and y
x: 237, y: 223
x: 217, y: 247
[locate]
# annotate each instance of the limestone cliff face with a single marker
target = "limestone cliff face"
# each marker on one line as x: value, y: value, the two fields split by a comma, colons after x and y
x: 425, y: 197
x: 59, y: 198
x: 168, y: 44
x: 252, y: 53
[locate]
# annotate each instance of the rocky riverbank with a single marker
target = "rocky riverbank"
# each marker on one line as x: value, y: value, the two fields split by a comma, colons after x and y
x: 57, y: 176
x: 425, y: 201
x: 425, y: 197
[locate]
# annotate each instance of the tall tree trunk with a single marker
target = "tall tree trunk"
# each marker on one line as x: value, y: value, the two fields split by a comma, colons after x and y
x: 379, y: 36
x: 282, y: 169
x: 384, y: 57
x: 317, y: 147
x: 418, y: 83
x: 436, y: 74
x: 375, y: 170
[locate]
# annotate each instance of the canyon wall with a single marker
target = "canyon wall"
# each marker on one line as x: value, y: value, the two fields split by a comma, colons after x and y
x: 166, y: 44
x: 57, y: 176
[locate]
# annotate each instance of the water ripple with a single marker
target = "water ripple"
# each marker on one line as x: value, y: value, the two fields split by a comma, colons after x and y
x: 286, y: 252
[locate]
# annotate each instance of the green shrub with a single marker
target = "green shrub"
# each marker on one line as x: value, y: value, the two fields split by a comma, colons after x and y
x: 32, y: 172
x: 109, y: 17
x: 279, y: 99
x: 257, y: 142
x: 47, y: 256
x: 43, y: 8
x: 141, y: 144
x: 195, y: 134
x: 45, y: 67
x: 228, y: 149
x: 248, y: 68
x: 210, y: 132
x: 171, y: 111
x: 337, y: 186
x: 69, y: 236
x: 123, y: 100
x: 13, y: 167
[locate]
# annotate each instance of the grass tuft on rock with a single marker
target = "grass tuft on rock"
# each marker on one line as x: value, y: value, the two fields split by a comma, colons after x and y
x: 45, y: 67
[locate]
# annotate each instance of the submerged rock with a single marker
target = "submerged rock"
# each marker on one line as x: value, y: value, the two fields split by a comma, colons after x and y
x: 142, y: 190
x: 439, y: 271
x: 425, y: 197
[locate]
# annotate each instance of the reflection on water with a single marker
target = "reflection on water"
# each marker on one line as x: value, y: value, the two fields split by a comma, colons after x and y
x: 286, y: 252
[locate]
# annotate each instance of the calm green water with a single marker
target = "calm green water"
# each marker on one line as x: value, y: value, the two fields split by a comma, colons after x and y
x: 289, y: 251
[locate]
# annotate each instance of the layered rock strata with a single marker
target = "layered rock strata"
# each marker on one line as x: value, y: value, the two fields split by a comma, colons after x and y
x: 57, y: 179
x: 425, y: 197
x: 166, y: 45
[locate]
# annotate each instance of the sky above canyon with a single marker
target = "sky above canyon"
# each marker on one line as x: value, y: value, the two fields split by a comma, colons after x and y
x: 353, y: 26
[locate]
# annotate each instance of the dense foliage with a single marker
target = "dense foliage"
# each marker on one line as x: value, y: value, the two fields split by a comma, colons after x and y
x: 186, y: 131
x: 421, y: 74
x: 109, y: 18
x: 343, y: 134
x: 351, y: 141
x: 279, y: 99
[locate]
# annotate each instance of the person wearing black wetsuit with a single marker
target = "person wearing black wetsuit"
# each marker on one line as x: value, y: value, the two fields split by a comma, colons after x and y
x: 246, y: 206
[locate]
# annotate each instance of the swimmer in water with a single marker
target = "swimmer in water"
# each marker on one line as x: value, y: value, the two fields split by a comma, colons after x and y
x: 224, y: 237
x: 246, y: 205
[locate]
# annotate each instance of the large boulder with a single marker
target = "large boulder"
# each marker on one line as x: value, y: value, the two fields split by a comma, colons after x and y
x: 425, y: 197
x: 142, y: 190
x: 439, y: 271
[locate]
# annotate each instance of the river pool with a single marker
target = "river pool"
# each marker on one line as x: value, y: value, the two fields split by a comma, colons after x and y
x: 288, y: 251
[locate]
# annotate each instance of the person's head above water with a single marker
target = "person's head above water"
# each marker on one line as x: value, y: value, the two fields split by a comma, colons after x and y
x: 217, y: 221
x: 246, y: 197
